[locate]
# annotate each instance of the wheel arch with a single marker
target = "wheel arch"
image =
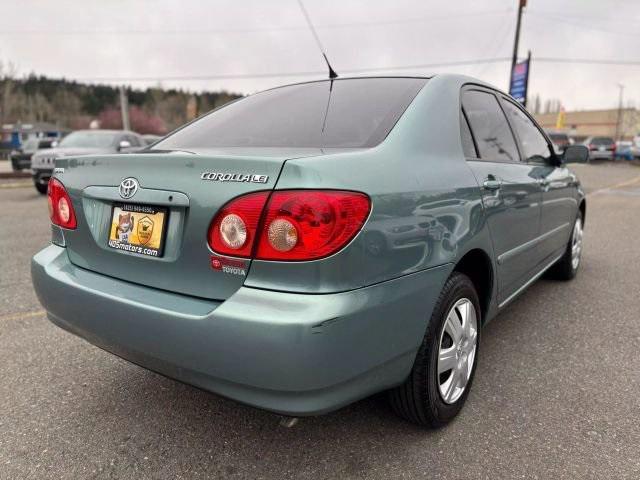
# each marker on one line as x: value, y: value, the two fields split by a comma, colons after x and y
x: 477, y: 265
x: 583, y: 210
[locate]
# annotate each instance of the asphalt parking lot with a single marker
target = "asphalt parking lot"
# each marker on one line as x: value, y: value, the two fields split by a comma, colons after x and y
x: 556, y: 395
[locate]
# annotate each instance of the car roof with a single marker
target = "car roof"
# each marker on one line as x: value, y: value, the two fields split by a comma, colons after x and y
x: 105, y: 130
x: 352, y: 77
x: 458, y: 78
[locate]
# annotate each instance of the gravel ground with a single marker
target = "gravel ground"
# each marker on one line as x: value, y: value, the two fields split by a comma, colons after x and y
x: 556, y: 395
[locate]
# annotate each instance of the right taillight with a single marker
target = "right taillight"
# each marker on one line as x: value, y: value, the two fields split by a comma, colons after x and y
x: 310, y: 224
x: 60, y: 207
x: 295, y: 225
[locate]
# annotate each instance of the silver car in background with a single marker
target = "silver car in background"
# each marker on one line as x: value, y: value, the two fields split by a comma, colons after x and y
x: 82, y: 142
x: 601, y: 148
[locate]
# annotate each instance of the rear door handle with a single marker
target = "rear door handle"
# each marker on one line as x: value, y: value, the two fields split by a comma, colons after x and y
x: 492, y: 184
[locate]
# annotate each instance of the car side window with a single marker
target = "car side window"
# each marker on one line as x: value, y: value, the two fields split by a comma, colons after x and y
x: 489, y: 127
x: 133, y: 140
x: 534, y: 146
x: 468, y: 146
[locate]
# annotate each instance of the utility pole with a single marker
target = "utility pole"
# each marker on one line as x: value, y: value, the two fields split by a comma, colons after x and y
x: 526, y: 82
x: 124, y: 108
x: 619, y: 131
x: 514, y: 58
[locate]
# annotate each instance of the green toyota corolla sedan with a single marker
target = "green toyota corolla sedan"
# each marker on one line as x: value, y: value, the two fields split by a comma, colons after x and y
x: 310, y: 245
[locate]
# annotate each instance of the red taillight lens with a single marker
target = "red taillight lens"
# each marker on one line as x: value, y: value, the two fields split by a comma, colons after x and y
x: 234, y: 229
x: 310, y: 224
x: 592, y: 147
x: 296, y: 225
x: 60, y: 207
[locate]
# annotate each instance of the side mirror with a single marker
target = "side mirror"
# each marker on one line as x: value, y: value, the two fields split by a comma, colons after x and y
x: 576, y: 154
x: 124, y: 144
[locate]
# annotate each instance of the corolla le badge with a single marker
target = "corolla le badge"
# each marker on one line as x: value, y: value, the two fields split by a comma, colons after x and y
x: 128, y: 187
x: 234, y: 177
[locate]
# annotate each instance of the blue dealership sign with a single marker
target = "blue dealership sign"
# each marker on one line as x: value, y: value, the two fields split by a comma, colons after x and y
x: 519, y: 81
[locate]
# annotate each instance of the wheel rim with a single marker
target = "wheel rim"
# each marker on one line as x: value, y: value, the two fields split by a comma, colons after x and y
x: 457, y: 350
x: 576, y: 244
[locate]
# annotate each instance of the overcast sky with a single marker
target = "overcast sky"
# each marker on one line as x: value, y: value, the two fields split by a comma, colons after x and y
x: 159, y: 40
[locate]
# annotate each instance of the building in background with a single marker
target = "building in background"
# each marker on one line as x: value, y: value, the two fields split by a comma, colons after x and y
x: 612, y: 123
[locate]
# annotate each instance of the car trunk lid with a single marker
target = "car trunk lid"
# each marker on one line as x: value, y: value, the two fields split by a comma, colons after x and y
x: 189, y: 188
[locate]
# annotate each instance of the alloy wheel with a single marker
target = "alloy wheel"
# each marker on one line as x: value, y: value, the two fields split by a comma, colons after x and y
x: 576, y: 244
x: 457, y: 350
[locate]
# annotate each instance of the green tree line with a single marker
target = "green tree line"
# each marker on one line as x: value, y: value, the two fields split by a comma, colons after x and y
x: 73, y: 105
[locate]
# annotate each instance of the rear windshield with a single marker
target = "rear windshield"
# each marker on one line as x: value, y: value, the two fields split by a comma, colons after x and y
x: 86, y: 139
x: 602, y: 141
x: 349, y: 113
x: 558, y: 137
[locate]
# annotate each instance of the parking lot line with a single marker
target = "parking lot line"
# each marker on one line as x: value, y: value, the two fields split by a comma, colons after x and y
x: 627, y: 183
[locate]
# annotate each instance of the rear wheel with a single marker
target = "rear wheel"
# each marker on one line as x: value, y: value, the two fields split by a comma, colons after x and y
x: 567, y: 266
x: 441, y: 377
x: 41, y: 188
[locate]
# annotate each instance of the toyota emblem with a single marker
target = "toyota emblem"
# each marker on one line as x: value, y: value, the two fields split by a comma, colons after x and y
x: 128, y: 187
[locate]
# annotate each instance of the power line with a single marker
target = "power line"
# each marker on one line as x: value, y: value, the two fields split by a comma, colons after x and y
x: 587, y: 61
x: 498, y: 41
x: 573, y: 23
x: 241, y: 76
x: 322, y: 73
x: 208, y: 31
x: 599, y: 18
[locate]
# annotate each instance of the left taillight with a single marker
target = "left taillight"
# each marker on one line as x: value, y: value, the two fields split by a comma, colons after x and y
x: 60, y: 207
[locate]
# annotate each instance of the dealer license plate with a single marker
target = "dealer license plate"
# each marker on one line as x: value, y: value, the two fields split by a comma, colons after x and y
x: 138, y: 228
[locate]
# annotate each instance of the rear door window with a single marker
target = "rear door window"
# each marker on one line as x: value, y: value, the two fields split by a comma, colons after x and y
x: 489, y: 126
x: 468, y: 146
x: 534, y: 146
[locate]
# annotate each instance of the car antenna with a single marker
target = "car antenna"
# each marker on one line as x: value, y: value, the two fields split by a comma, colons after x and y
x: 332, y: 72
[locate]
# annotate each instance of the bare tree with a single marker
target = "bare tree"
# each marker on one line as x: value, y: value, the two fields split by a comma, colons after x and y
x: 8, y: 72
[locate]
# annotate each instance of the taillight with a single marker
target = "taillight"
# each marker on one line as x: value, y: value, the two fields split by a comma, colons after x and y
x: 296, y: 225
x: 234, y: 228
x: 592, y: 147
x: 60, y: 207
x: 310, y: 224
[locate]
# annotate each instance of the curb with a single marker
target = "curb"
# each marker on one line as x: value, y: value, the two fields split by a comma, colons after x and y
x: 15, y: 175
x: 4, y: 185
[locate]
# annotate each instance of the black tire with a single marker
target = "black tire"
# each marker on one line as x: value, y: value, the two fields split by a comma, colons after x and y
x: 41, y: 188
x: 418, y: 399
x: 564, y: 268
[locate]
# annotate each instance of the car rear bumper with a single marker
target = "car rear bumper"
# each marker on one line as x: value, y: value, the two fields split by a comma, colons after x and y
x: 598, y: 155
x: 294, y: 354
